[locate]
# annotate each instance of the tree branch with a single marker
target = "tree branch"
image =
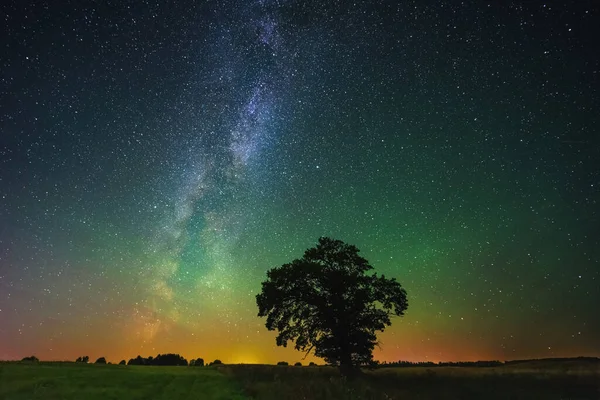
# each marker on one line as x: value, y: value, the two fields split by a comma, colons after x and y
x: 308, y: 352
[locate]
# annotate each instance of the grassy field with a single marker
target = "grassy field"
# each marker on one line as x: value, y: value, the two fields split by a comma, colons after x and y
x: 514, y: 382
x: 65, y: 381
x: 573, y: 381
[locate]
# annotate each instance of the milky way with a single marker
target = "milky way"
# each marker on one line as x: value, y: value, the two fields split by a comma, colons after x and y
x: 211, y: 207
x: 156, y: 160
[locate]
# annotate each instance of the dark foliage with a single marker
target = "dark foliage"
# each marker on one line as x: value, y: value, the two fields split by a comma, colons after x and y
x: 312, y: 364
x: 591, y: 360
x: 139, y: 360
x: 326, y: 302
x: 160, y: 360
x: 123, y: 362
x: 83, y: 359
x: 282, y: 363
x: 298, y: 364
x: 101, y: 360
x: 31, y: 359
x: 216, y: 362
x: 199, y: 362
x: 397, y: 364
x: 169, y: 359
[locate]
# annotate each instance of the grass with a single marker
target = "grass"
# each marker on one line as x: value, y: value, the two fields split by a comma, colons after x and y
x: 88, y: 381
x: 276, y: 382
x: 65, y: 381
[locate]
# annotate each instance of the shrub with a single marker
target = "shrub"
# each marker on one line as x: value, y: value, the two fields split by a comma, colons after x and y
x: 199, y: 362
x: 161, y: 359
x: 283, y: 363
x: 31, y: 359
x: 298, y: 364
x: 216, y: 362
x: 101, y: 360
x: 167, y: 359
x: 122, y: 362
x: 139, y: 360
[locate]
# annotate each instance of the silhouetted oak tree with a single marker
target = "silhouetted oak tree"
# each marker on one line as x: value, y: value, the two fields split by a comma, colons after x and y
x: 326, y: 302
x: 101, y: 360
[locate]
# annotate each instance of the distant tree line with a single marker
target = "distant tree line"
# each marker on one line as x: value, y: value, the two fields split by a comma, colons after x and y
x: 593, y: 360
x: 160, y: 360
x: 397, y: 364
x: 176, y: 360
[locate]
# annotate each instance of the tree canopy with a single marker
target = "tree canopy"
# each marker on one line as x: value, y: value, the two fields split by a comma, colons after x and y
x: 327, y: 303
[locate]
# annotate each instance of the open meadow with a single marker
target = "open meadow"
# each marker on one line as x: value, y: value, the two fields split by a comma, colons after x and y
x: 68, y: 380
x: 531, y: 380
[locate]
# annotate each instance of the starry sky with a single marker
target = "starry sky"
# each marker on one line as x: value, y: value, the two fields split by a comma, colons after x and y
x: 157, y: 158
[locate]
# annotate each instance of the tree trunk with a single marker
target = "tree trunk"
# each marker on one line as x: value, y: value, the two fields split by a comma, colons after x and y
x: 347, y: 369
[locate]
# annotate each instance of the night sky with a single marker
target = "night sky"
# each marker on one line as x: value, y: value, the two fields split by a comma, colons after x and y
x: 157, y: 158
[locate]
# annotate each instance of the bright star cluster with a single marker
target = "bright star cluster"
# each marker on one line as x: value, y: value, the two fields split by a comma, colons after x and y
x: 156, y: 159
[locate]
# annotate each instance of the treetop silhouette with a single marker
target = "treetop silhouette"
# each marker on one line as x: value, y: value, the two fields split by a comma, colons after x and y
x: 161, y: 359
